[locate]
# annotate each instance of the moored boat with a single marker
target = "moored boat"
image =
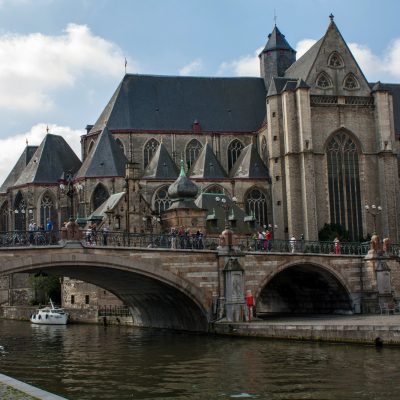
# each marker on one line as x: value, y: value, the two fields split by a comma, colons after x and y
x: 50, y: 316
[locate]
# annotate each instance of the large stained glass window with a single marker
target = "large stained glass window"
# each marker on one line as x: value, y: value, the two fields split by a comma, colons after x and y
x: 100, y: 195
x: 149, y: 149
x: 193, y: 149
x: 161, y: 200
x: 256, y: 204
x: 344, y: 184
x: 234, y: 150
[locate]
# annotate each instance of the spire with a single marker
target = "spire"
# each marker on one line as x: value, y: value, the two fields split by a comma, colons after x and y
x: 182, y: 173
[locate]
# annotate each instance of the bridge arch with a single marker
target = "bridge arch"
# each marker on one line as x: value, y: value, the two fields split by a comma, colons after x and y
x: 155, y: 296
x: 304, y: 288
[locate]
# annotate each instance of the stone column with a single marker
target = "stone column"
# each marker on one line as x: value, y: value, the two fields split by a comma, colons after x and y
x: 234, y: 290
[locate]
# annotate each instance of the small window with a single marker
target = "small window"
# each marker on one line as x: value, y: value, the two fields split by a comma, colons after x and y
x: 86, y: 299
x: 350, y: 82
x: 72, y: 299
x: 335, y: 61
x: 323, y: 81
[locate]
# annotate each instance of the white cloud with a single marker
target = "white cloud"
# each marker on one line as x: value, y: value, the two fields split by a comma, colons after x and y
x: 248, y: 65
x: 192, y: 68
x: 34, y: 66
x: 303, y: 46
x: 12, y: 147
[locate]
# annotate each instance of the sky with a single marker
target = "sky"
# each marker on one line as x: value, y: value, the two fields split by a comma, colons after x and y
x: 61, y: 60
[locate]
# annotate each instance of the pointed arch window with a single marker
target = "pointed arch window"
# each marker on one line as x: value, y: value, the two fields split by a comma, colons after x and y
x: 47, y: 210
x: 344, y: 184
x: 215, y: 189
x: 193, y: 150
x: 161, y: 200
x: 91, y: 145
x: 335, y: 60
x: 234, y: 150
x: 323, y: 81
x: 100, y: 195
x: 4, y: 217
x: 264, y: 150
x: 150, y: 148
x: 120, y: 144
x: 256, y: 204
x: 19, y: 213
x: 350, y: 82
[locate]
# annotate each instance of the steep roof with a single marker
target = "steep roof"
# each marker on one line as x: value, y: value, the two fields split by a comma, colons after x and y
x: 150, y: 102
x: 110, y: 204
x: 249, y: 165
x: 51, y: 159
x: 18, y: 168
x: 207, y: 165
x: 161, y: 166
x: 277, y: 41
x: 105, y: 159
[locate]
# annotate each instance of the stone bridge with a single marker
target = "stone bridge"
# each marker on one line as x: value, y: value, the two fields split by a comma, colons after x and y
x: 188, y: 289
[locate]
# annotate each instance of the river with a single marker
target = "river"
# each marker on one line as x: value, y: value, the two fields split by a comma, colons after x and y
x: 94, y: 362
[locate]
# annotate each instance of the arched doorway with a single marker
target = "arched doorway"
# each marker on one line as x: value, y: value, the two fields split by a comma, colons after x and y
x: 304, y: 289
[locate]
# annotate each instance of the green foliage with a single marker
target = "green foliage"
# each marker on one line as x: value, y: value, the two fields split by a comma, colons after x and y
x: 330, y: 231
x: 46, y: 287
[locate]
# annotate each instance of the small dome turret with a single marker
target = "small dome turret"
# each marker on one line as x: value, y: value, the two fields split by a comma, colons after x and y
x: 183, y: 187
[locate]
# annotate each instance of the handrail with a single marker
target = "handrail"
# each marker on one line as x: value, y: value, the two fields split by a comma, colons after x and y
x: 188, y: 242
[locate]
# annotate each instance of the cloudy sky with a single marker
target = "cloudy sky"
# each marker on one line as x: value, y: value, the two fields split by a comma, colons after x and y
x: 61, y: 60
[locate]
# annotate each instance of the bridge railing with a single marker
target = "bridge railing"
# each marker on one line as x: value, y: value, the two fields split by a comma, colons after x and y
x: 188, y: 242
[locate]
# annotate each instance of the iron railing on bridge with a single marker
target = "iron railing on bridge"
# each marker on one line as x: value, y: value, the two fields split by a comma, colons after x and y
x: 188, y: 242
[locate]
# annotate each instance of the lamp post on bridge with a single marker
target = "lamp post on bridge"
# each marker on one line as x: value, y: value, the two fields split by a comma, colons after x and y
x: 374, y: 211
x: 222, y: 202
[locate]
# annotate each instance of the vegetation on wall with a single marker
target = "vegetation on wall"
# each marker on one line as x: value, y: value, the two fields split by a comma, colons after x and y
x: 46, y: 287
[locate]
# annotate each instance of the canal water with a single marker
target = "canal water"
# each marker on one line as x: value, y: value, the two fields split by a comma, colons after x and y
x: 94, y: 362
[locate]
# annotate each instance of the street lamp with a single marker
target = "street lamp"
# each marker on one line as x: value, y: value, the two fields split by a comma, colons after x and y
x: 373, y: 210
x: 221, y: 201
x: 67, y: 187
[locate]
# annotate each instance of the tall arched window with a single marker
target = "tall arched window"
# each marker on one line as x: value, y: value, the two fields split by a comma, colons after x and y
x: 344, y: 184
x: 100, y: 195
x: 264, y: 154
x: 256, y: 204
x: 193, y: 149
x: 4, y: 217
x: 120, y: 144
x: 47, y: 210
x: 148, y: 152
x: 161, y: 200
x: 19, y: 213
x: 234, y: 150
x: 91, y: 145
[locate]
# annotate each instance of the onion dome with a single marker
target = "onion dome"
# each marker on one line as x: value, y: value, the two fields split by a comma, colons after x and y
x: 183, y: 187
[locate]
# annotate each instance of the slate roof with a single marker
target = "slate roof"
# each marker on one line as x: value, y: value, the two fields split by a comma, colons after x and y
x: 249, y: 165
x: 161, y: 166
x: 18, y: 168
x: 110, y: 204
x: 106, y: 159
x: 207, y: 165
x: 171, y: 103
x: 51, y: 159
x: 276, y: 41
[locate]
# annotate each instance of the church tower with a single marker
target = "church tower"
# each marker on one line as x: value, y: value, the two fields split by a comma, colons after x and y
x: 276, y: 57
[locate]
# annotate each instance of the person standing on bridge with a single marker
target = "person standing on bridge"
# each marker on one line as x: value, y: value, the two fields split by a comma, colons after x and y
x: 337, y: 245
x: 49, y: 229
x: 293, y: 243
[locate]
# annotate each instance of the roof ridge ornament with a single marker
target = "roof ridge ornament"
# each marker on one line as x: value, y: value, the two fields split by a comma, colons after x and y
x: 182, y: 173
x: 331, y: 17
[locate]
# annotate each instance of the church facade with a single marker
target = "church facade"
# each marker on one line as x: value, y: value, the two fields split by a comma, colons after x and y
x: 309, y: 142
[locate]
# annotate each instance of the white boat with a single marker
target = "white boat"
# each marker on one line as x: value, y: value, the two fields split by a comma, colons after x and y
x: 50, y: 316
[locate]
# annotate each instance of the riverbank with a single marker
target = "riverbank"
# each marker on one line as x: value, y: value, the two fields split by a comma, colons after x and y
x: 12, y: 389
x: 366, y: 329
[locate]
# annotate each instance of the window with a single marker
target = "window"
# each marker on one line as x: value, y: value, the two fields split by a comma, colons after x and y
x: 120, y: 144
x: 161, y: 200
x: 149, y: 149
x: 91, y: 145
x: 100, y: 195
x: 350, y: 82
x: 47, y: 210
x: 335, y: 61
x: 234, y: 150
x: 19, y: 213
x: 193, y: 150
x: 323, y: 81
x: 72, y: 299
x: 256, y: 204
x: 264, y: 153
x: 4, y: 217
x: 86, y: 299
x: 216, y: 189
x: 344, y: 184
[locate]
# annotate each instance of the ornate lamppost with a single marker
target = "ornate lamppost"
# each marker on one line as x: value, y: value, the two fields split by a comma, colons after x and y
x: 373, y: 210
x: 67, y: 188
x: 221, y: 201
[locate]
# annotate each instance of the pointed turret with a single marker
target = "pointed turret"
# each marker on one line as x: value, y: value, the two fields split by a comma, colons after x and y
x: 249, y: 165
x: 161, y: 165
x: 276, y: 57
x: 51, y: 159
x: 207, y: 165
x: 106, y: 159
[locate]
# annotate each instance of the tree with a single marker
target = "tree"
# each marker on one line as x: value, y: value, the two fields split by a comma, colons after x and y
x: 331, y: 231
x: 46, y: 287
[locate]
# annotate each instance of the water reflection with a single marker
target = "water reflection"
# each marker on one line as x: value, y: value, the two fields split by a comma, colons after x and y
x: 95, y: 362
